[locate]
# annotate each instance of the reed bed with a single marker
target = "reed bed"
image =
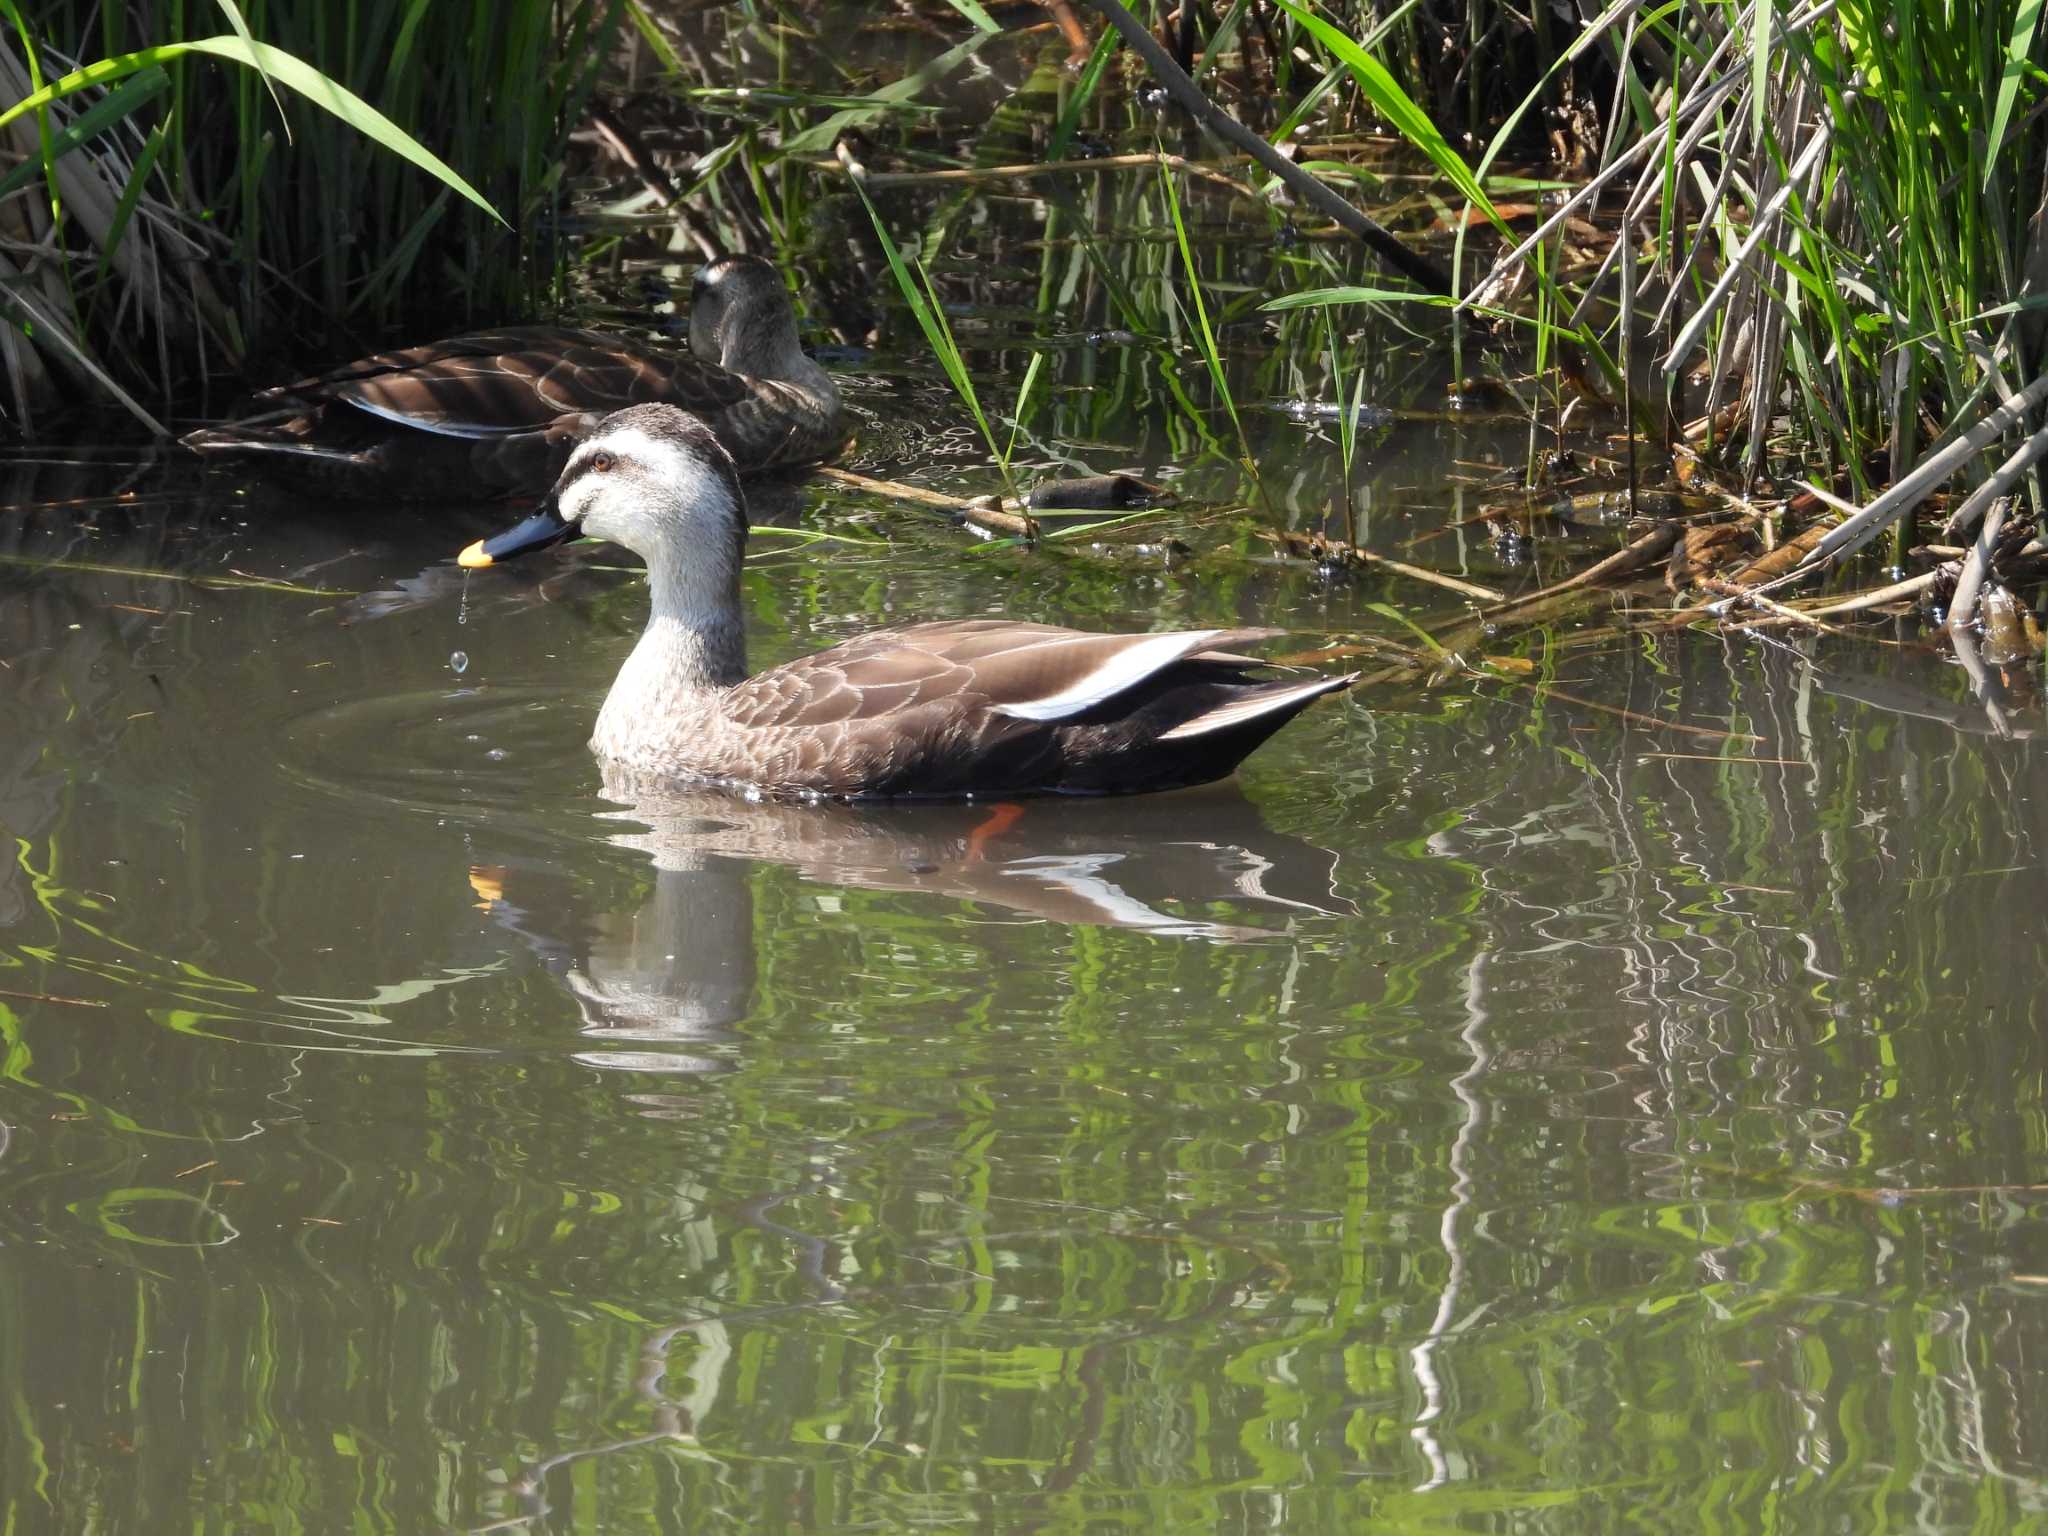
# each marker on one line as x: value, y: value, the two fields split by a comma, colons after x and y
x: 1796, y: 252
x: 195, y: 189
x: 1799, y: 250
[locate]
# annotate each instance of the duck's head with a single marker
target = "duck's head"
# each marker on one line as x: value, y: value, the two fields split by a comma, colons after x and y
x: 653, y: 479
x: 741, y: 317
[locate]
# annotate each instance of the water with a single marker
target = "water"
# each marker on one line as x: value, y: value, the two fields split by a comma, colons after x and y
x: 1496, y: 1111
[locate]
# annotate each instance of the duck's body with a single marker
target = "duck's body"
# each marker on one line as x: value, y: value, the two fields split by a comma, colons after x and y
x: 496, y: 413
x: 975, y: 707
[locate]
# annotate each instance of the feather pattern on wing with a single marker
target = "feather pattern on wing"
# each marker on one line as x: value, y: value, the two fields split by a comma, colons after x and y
x: 496, y: 412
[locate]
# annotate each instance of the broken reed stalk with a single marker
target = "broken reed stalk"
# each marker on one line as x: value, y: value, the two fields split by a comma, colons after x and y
x: 974, y: 511
x: 1962, y: 609
x: 1309, y: 188
x: 1637, y: 554
x: 1771, y: 606
x: 1336, y: 552
x: 1877, y: 597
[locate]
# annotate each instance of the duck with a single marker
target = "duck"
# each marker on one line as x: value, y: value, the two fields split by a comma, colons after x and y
x: 961, y: 708
x: 495, y: 413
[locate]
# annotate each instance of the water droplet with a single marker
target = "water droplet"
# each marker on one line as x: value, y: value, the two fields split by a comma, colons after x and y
x: 496, y: 755
x: 459, y: 661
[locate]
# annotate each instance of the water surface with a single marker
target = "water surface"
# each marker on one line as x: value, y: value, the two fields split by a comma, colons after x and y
x: 1615, y: 1107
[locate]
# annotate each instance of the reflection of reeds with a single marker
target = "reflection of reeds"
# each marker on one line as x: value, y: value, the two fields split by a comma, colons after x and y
x: 1212, y: 356
x: 924, y: 303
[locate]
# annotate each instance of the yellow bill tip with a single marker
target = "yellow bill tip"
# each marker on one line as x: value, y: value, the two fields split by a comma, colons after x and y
x: 474, y: 556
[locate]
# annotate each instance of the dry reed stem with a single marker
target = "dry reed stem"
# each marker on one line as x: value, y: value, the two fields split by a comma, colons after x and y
x: 1314, y: 547
x: 1639, y: 553
x: 974, y: 511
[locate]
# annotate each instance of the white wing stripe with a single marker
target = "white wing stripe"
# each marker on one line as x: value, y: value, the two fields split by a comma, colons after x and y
x: 463, y: 429
x: 1124, y: 668
x: 1250, y: 708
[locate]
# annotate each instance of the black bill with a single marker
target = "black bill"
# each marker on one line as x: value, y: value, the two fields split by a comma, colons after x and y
x: 545, y: 527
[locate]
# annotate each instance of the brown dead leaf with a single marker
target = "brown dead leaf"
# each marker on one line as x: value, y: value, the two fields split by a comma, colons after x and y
x: 1705, y: 550
x: 1777, y: 562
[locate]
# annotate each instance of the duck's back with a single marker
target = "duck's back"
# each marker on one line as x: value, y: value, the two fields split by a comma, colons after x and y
x: 519, y: 379
x: 494, y: 413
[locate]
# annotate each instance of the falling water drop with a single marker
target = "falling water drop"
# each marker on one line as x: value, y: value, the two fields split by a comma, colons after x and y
x: 459, y: 660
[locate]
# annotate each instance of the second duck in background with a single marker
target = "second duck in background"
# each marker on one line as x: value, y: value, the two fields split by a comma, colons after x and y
x: 496, y: 413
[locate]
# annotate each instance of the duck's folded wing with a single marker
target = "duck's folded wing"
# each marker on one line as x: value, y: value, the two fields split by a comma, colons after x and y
x: 494, y: 383
x: 1025, y: 672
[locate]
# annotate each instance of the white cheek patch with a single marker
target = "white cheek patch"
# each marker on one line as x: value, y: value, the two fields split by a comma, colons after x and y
x: 576, y: 502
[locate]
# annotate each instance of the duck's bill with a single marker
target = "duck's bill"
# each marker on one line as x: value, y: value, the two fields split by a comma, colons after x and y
x: 545, y: 527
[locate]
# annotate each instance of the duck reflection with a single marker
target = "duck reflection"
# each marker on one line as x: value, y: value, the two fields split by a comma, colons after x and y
x: 659, y: 987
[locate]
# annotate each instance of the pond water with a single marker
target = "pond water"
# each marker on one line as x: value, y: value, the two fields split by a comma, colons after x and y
x: 1607, y: 1093
x: 1497, y: 1110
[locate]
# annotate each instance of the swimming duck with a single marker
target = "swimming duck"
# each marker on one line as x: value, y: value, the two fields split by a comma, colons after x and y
x: 971, y: 707
x: 495, y: 413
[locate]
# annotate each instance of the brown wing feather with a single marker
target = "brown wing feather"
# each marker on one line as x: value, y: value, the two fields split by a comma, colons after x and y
x: 521, y: 380
x: 976, y: 665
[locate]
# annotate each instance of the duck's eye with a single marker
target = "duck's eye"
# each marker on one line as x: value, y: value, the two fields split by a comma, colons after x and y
x: 602, y: 463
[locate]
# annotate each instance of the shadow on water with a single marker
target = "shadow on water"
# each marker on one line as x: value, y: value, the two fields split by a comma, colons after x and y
x: 679, y: 969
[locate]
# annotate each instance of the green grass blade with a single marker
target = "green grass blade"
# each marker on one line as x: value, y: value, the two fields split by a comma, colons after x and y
x: 656, y: 40
x: 241, y: 29
x: 1409, y: 120
x: 898, y: 95
x: 930, y: 318
x: 1023, y: 395
x: 1388, y: 610
x: 1760, y: 25
x: 294, y: 72
x: 1299, y: 114
x: 103, y: 114
x: 2017, y: 64
x: 45, y: 163
x: 983, y: 22
x: 1211, y: 354
x: 131, y: 194
x: 1081, y: 95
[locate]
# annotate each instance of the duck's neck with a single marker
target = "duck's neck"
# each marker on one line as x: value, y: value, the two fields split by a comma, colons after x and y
x: 772, y: 350
x: 794, y: 366
x: 694, y: 646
